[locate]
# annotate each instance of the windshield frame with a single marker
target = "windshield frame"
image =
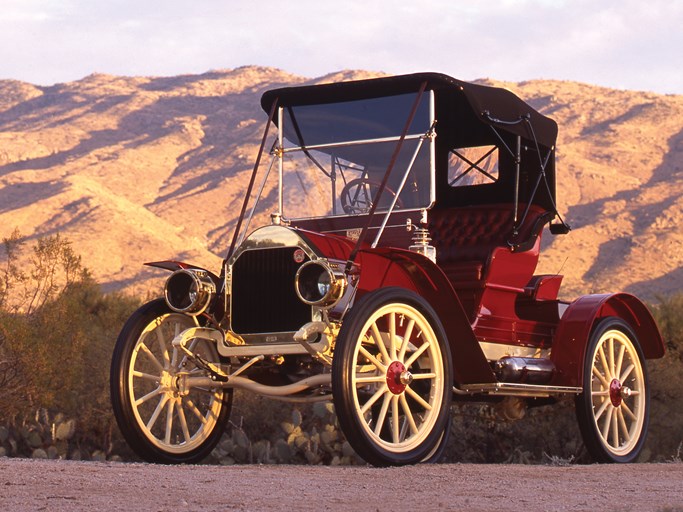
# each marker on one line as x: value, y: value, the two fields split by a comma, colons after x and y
x: 279, y: 152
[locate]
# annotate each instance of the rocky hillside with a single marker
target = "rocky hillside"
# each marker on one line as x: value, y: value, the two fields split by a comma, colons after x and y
x: 141, y: 169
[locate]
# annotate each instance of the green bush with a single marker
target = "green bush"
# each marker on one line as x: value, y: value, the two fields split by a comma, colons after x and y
x: 57, y: 330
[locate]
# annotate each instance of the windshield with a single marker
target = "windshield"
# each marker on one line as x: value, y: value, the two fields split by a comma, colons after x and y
x: 335, y: 156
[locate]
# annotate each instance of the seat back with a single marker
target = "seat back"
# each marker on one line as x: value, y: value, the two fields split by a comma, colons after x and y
x: 466, y: 238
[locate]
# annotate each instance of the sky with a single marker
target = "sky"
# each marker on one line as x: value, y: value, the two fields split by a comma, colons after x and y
x: 624, y: 44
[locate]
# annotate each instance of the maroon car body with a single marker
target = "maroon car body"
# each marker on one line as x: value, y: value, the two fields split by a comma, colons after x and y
x: 395, y: 273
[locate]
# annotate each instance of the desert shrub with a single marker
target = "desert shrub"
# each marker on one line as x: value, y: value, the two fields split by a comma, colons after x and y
x: 666, y: 380
x: 668, y: 313
x: 57, y: 330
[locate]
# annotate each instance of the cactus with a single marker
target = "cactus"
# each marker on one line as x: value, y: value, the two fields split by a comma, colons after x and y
x: 64, y: 430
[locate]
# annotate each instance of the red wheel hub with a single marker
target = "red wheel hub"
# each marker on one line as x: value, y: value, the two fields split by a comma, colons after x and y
x: 396, y: 377
x: 615, y: 393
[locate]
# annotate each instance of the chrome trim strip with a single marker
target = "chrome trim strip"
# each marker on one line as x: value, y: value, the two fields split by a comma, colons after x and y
x: 515, y: 389
x: 350, y: 143
x: 270, y: 350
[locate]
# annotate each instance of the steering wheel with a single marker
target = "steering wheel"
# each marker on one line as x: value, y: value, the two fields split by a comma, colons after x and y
x: 356, y: 196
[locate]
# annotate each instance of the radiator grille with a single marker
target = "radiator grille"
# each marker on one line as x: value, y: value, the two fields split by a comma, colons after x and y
x: 263, y: 295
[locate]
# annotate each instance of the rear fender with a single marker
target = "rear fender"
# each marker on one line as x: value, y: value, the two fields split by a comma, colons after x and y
x: 574, y: 330
x: 406, y: 269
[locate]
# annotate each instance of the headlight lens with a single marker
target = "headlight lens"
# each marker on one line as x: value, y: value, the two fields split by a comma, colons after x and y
x: 318, y: 284
x: 189, y: 291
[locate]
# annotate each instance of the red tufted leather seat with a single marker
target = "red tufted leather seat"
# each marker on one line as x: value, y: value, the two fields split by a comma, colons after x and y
x: 465, y: 239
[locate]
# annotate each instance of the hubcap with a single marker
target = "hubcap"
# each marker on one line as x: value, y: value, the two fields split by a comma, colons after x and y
x: 615, y: 392
x: 396, y: 375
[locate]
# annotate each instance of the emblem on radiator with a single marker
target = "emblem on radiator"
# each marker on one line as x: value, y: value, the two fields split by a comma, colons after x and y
x: 299, y: 256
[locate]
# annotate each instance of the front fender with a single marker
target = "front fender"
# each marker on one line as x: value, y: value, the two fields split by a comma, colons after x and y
x: 406, y: 269
x: 173, y: 265
x: 574, y: 330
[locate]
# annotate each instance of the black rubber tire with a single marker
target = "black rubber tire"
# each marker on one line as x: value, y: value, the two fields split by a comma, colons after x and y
x: 427, y: 440
x: 126, y: 390
x: 626, y: 442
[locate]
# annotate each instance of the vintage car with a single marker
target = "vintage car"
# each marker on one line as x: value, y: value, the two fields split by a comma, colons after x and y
x: 384, y: 259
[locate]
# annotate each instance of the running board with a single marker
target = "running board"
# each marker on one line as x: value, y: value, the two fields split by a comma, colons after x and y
x: 515, y: 389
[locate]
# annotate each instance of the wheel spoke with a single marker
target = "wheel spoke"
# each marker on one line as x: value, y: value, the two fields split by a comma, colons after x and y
x: 610, y: 355
x: 183, y: 421
x: 627, y: 372
x: 362, y: 378
x: 602, y: 408
x: 148, y: 396
x: 190, y: 405
x: 413, y: 357
x: 366, y: 406
x: 623, y: 427
x: 418, y: 399
x: 169, y: 421
x: 615, y: 429
x: 620, y: 360
x: 152, y: 358
x: 382, y: 414
x: 157, y: 412
x: 174, y: 358
x: 626, y: 409
x: 601, y: 377
x: 395, y: 427
x: 145, y: 376
x: 406, y: 339
x: 392, y: 336
x: 162, y: 347
x: 606, y: 425
x: 605, y: 365
x: 372, y: 359
x: 377, y: 337
x: 408, y: 414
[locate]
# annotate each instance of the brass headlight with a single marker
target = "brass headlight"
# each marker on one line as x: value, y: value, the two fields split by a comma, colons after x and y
x: 189, y: 291
x: 318, y: 284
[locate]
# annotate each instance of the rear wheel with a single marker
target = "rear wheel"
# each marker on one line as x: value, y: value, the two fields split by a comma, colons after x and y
x: 392, y: 379
x: 613, y: 410
x: 162, y: 420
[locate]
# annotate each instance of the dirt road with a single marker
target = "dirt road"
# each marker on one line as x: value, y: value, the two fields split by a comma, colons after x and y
x: 68, y: 485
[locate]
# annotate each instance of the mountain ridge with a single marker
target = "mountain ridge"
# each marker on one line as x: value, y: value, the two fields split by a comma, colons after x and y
x: 135, y: 169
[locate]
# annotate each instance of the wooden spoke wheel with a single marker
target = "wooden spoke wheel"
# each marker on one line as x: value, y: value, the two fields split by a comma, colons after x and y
x: 392, y: 379
x: 162, y: 418
x: 613, y: 409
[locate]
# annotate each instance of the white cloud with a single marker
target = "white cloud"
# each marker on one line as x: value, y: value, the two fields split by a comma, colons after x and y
x: 625, y: 43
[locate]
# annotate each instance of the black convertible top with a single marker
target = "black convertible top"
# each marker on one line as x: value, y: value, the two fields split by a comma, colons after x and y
x: 490, y: 106
x: 467, y: 115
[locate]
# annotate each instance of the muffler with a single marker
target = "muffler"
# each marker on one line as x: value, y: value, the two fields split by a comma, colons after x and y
x: 525, y: 370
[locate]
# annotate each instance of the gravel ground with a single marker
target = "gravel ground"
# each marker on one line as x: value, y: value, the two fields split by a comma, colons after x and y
x: 70, y: 485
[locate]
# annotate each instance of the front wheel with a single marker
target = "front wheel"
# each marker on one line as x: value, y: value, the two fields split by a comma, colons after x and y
x: 162, y: 420
x: 392, y: 379
x: 613, y: 410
